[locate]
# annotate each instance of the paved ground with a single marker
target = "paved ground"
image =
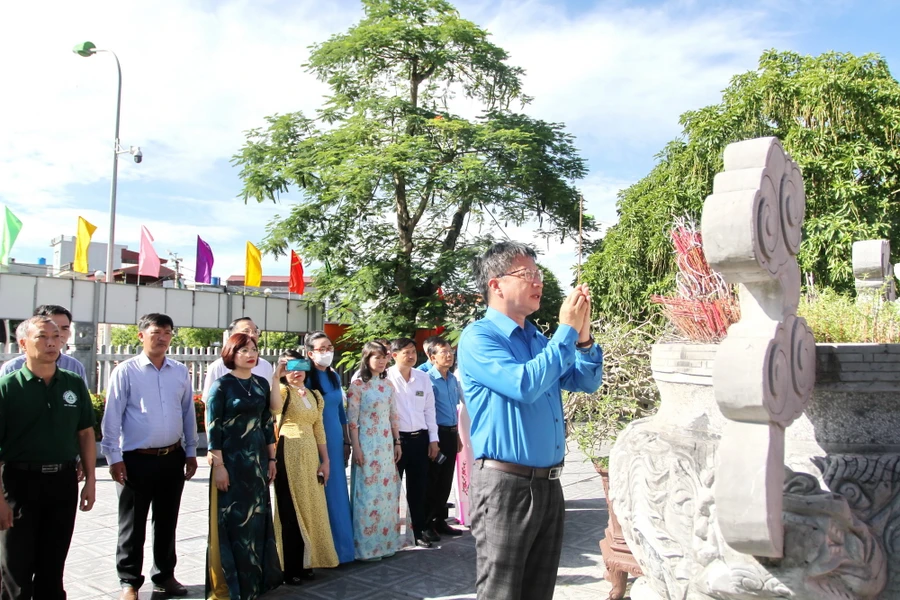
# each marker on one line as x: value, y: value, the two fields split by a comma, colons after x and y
x: 445, y: 571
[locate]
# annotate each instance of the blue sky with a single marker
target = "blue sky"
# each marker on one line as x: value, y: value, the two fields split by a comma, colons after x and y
x: 196, y: 74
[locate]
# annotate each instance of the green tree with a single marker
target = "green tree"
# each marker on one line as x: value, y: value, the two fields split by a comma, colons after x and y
x: 552, y: 297
x: 193, y: 337
x: 124, y: 335
x: 186, y: 337
x: 279, y: 340
x: 397, y: 192
x: 837, y: 114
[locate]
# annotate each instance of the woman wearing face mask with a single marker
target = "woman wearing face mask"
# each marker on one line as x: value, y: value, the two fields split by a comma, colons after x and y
x: 325, y: 380
x: 302, y: 528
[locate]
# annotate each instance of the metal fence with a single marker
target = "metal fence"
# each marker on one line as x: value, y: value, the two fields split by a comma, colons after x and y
x: 197, y: 360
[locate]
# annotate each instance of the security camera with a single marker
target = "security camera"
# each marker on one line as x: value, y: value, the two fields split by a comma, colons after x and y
x: 138, y: 155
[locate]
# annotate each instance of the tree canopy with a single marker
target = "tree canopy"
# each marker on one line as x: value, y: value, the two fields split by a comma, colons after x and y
x: 397, y: 192
x: 837, y: 114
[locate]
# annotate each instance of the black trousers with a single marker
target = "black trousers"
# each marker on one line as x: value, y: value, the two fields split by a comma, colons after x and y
x: 414, y: 462
x: 33, y: 552
x: 157, y: 482
x: 440, y: 477
x: 291, y: 538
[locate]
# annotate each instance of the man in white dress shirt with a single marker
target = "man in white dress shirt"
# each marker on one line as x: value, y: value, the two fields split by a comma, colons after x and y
x: 217, y: 368
x: 418, y: 432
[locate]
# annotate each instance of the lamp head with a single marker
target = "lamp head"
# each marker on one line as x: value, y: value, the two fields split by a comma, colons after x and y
x: 85, y: 49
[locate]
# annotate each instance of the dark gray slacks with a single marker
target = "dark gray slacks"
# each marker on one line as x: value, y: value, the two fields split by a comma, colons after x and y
x: 518, y: 527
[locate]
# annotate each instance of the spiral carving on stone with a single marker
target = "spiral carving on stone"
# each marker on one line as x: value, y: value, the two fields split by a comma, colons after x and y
x: 765, y: 368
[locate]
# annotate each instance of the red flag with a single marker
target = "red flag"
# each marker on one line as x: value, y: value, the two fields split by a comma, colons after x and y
x: 296, y: 284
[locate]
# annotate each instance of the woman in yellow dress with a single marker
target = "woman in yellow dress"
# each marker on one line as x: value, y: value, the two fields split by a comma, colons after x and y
x: 302, y: 530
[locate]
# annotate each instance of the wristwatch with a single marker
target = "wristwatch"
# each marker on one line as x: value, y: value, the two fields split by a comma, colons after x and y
x: 585, y: 346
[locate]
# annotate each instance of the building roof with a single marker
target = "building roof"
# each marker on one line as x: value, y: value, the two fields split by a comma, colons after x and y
x: 267, y: 280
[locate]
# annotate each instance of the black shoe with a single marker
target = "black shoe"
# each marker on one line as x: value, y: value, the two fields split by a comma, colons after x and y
x: 170, y: 587
x: 294, y: 580
x: 443, y: 528
x: 421, y: 541
x: 431, y: 535
x: 308, y: 574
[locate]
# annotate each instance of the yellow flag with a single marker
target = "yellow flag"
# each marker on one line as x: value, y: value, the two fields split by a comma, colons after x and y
x: 85, y: 231
x: 253, y: 270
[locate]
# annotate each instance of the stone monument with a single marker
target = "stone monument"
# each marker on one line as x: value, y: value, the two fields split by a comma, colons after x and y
x: 873, y: 273
x: 755, y: 480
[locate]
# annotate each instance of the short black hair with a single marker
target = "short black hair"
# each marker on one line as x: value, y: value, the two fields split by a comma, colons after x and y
x: 437, y: 342
x: 431, y: 341
x: 401, y: 343
x: 49, y: 310
x: 158, y: 319
x: 496, y: 261
x: 371, y: 348
x: 234, y: 324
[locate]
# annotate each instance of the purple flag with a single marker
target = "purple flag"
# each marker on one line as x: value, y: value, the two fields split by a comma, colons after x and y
x: 203, y: 272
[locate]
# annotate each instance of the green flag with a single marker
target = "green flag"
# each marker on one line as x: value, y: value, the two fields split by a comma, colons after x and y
x: 11, y: 229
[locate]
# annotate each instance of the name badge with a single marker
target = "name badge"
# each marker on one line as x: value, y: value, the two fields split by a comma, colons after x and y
x: 420, y: 393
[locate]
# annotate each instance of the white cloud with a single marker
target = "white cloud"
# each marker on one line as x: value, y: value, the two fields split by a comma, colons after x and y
x: 197, y: 74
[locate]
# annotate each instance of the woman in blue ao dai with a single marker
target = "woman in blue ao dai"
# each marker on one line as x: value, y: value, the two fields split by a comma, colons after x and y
x: 325, y: 380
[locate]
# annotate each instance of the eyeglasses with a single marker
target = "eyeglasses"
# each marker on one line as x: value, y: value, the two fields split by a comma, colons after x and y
x: 446, y: 353
x: 323, y: 350
x: 247, y: 350
x: 530, y: 276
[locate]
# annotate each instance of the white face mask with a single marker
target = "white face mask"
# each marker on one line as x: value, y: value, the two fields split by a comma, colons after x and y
x: 323, y: 360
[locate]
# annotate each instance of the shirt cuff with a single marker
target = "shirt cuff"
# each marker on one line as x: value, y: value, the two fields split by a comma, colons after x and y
x: 113, y: 456
x: 565, y: 334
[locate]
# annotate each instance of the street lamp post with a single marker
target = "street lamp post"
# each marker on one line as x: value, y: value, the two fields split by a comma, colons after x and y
x: 87, y: 49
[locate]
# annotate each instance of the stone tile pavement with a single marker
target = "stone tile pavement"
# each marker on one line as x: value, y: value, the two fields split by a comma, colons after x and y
x: 445, y: 572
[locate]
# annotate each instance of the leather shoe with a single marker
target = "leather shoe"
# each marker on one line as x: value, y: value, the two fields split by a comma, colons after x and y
x: 430, y: 535
x: 170, y: 587
x: 421, y: 542
x: 128, y: 593
x: 443, y: 528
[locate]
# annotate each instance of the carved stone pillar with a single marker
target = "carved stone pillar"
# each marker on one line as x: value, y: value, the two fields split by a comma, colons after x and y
x: 718, y: 498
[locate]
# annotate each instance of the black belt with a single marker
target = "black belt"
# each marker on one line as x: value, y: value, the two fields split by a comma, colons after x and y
x: 41, y: 468
x: 158, y: 451
x: 450, y: 428
x: 522, y: 470
x: 412, y: 434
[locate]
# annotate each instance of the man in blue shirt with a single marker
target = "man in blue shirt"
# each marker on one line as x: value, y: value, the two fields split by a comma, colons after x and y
x: 149, y: 412
x: 447, y: 395
x: 63, y: 319
x: 512, y: 378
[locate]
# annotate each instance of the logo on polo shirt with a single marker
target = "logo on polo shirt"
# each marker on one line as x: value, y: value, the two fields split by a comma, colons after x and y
x: 70, y: 397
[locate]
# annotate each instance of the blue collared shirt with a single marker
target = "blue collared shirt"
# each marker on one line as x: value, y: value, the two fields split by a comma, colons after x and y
x: 425, y: 366
x: 447, y: 395
x: 512, y: 379
x: 63, y: 362
x: 148, y: 407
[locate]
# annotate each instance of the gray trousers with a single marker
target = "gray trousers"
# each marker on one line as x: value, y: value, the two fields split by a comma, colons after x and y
x: 518, y: 527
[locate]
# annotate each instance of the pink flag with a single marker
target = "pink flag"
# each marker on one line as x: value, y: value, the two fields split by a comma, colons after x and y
x: 148, y: 261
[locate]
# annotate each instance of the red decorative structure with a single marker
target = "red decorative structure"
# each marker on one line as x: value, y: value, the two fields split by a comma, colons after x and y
x: 617, y: 557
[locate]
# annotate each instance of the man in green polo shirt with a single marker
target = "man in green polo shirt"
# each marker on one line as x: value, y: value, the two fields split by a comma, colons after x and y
x: 46, y: 419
